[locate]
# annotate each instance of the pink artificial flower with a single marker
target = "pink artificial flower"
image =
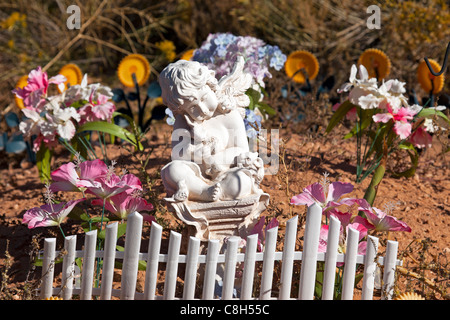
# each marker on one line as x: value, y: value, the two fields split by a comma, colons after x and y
x: 102, y: 109
x: 421, y: 138
x: 36, y: 88
x: 106, y: 187
x: 68, y: 176
x: 343, y: 217
x: 49, y: 214
x: 380, y: 221
x: 401, y: 125
x: 314, y: 193
x: 342, y: 246
x: 260, y: 231
x: 123, y: 204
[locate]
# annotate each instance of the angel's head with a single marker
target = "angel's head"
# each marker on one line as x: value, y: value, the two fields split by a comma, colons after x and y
x: 189, y: 88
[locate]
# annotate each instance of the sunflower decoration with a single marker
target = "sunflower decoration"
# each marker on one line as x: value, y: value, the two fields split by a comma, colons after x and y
x: 72, y: 73
x: 299, y: 61
x: 133, y: 63
x: 409, y: 296
x: 53, y: 298
x: 376, y: 62
x: 23, y: 81
x: 427, y: 80
x: 187, y: 55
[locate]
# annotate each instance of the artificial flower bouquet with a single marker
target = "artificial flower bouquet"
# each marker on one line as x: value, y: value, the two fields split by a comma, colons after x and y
x: 72, y: 113
x: 383, y: 115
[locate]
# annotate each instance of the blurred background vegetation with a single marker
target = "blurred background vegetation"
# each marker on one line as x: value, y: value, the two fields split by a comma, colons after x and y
x: 34, y: 33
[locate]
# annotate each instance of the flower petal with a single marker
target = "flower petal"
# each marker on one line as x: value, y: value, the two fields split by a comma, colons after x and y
x: 403, y: 129
x: 337, y: 189
x: 382, y: 117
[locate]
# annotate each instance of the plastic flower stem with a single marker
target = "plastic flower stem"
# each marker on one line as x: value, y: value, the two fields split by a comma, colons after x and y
x: 60, y: 228
x: 140, y: 108
x: 102, y: 144
x: 371, y: 191
x: 431, y: 94
x: 87, y: 145
x: 69, y: 147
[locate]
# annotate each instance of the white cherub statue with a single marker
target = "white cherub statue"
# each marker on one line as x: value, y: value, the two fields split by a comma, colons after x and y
x: 211, y: 160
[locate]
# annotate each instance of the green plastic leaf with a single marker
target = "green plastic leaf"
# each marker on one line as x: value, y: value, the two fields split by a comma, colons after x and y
x: 43, y: 158
x: 112, y: 129
x: 428, y: 113
x: 340, y: 113
x: 266, y: 109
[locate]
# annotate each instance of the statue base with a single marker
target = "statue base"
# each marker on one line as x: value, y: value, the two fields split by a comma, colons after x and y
x: 221, y: 219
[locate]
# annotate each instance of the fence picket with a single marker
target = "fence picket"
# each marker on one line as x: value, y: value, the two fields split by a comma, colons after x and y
x: 87, y: 277
x: 209, y: 279
x: 108, y: 260
x: 268, y: 263
x: 48, y: 268
x: 217, y: 265
x: 151, y: 274
x: 310, y: 248
x: 249, y: 267
x: 191, y: 268
x: 329, y: 274
x: 230, y: 268
x: 369, y: 268
x: 348, y: 282
x: 389, y: 270
x: 172, y: 266
x: 68, y: 269
x: 131, y: 256
x: 287, y: 266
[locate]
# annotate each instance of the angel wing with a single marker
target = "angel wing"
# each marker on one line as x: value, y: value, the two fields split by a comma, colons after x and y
x: 232, y: 87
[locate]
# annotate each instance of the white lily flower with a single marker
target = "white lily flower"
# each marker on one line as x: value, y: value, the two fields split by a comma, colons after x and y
x: 62, y: 119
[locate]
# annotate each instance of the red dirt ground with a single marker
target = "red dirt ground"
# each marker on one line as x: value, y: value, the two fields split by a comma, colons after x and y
x: 423, y: 201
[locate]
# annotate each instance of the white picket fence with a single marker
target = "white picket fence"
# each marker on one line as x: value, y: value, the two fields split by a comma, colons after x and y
x: 211, y: 261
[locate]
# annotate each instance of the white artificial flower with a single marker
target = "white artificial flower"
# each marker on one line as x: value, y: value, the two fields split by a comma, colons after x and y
x: 62, y: 119
x: 369, y: 101
x: 391, y: 93
x: 429, y: 125
x: 31, y: 125
x: 416, y: 108
x: 83, y: 91
x: 364, y: 82
x: 396, y: 86
x: 438, y: 108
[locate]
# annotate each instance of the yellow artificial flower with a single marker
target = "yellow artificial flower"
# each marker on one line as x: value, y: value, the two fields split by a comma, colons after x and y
x: 133, y: 63
x: 298, y: 60
x: 187, y: 55
x: 53, y: 298
x: 23, y: 81
x: 72, y: 73
x: 428, y: 81
x: 168, y: 48
x: 376, y: 62
x: 409, y: 296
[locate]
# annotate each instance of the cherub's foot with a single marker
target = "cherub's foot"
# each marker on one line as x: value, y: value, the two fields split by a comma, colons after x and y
x: 216, y: 192
x: 182, y: 192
